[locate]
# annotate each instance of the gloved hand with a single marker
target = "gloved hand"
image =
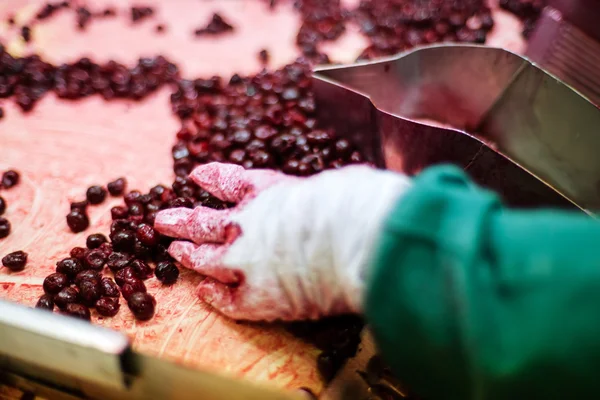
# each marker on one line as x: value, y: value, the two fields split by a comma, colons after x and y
x: 292, y: 248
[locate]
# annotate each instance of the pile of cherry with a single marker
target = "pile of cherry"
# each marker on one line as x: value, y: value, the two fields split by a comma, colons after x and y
x: 30, y: 78
x: 396, y: 26
x: 263, y: 121
x: 131, y: 247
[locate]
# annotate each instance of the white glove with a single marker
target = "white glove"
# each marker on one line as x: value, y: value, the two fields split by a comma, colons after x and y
x: 292, y: 248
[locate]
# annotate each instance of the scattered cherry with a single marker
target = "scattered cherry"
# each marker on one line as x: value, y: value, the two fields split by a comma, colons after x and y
x: 166, y: 272
x: 106, y: 248
x: 132, y: 197
x: 117, y: 261
x: 142, y: 305
x: 83, y: 17
x: 80, y: 206
x: 95, y: 240
x: 119, y: 212
x: 78, y: 311
x: 123, y: 241
x: 147, y: 235
x: 54, y: 283
x: 66, y: 296
x: 119, y: 225
x: 45, y: 302
x: 89, y: 291
x: 136, y: 209
x: 49, y: 9
x: 263, y: 56
x: 141, y: 269
x: 77, y: 221
x: 109, y: 288
x: 117, y: 187
x: 139, y: 13
x: 124, y: 275
x: 141, y: 251
x: 216, y: 26
x: 69, y: 267
x: 10, y: 178
x: 95, y: 259
x: 87, y: 275
x: 108, y: 306
x: 132, y: 286
x: 15, y: 261
x: 95, y: 194
x: 181, y: 202
x: 26, y: 33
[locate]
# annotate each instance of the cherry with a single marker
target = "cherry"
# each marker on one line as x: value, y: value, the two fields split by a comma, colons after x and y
x: 78, y: 311
x: 66, y: 296
x: 15, y: 261
x: 54, y: 283
x: 109, y: 288
x: 69, y: 267
x: 142, y: 305
x: 45, y: 302
x: 108, y: 306
x: 117, y: 187
x: 95, y: 194
x: 166, y: 272
x: 95, y: 240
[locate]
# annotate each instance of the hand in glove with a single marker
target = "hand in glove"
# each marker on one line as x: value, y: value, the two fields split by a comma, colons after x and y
x: 292, y: 248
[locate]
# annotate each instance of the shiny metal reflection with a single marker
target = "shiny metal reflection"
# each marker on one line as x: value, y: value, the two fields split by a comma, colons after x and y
x: 531, y: 137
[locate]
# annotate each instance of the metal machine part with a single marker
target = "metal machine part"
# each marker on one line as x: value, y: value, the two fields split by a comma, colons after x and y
x: 566, y: 42
x: 49, y: 356
x: 59, y: 357
x: 531, y: 137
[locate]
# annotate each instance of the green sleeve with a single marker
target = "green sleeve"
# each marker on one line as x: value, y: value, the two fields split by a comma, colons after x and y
x: 470, y: 300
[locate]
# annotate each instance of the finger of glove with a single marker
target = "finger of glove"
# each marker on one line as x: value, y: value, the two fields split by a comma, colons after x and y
x: 227, y: 182
x: 200, y: 225
x: 182, y: 251
x: 204, y: 259
x: 234, y: 183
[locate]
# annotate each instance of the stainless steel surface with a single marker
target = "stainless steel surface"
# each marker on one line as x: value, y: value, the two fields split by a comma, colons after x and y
x: 179, y: 383
x: 566, y: 42
x: 55, y: 356
x: 532, y: 138
x: 64, y: 346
